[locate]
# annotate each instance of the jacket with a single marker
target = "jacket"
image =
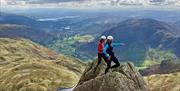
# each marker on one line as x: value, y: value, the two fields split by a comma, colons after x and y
x: 108, y: 49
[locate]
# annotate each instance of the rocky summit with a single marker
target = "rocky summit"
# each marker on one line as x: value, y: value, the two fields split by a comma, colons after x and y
x: 122, y: 78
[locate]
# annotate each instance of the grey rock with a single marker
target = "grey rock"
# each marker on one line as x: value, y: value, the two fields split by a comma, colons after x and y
x: 122, y: 78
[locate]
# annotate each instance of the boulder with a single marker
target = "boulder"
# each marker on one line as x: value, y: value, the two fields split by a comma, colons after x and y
x: 122, y: 78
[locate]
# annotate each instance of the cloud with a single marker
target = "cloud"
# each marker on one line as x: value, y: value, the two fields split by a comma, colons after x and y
x: 38, y: 1
x: 3, y: 2
x: 90, y: 3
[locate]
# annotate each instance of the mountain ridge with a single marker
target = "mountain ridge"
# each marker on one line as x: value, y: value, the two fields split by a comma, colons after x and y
x: 138, y: 35
x: 27, y: 32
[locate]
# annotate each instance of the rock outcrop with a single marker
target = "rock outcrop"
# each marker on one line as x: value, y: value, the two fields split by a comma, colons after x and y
x: 122, y: 78
x: 166, y: 67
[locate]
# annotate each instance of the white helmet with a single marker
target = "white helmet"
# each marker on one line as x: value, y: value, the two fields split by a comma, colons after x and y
x: 103, y: 37
x: 110, y: 37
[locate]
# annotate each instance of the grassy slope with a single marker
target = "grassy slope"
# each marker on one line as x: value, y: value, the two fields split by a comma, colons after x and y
x: 26, y: 66
x: 67, y: 45
x: 154, y: 56
x: 164, y: 82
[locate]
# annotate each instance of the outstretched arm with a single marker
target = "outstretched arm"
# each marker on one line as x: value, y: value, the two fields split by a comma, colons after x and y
x: 118, y: 44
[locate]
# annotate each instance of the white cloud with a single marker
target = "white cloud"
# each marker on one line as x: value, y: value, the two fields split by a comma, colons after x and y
x: 3, y: 2
x: 177, y: 4
x: 90, y: 3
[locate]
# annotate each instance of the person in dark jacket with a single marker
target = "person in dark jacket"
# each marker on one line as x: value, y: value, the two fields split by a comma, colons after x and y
x: 108, y: 51
x: 101, y: 55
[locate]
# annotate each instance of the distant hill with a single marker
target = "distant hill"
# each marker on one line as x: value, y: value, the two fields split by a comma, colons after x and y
x: 7, y: 18
x: 16, y: 19
x: 165, y: 67
x: 50, y: 33
x: 91, y: 24
x: 23, y: 31
x: 139, y: 35
x: 27, y: 66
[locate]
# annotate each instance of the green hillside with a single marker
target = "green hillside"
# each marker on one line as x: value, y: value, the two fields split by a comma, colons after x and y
x: 26, y: 66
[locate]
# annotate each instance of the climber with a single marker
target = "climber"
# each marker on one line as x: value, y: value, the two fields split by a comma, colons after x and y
x: 108, y: 51
x: 101, y: 55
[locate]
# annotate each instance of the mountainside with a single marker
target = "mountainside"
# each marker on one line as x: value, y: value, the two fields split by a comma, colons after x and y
x: 164, y: 76
x: 57, y: 33
x: 26, y: 66
x: 123, y: 78
x: 163, y: 82
x: 64, y: 35
x: 7, y: 18
x: 68, y: 24
x: 16, y: 19
x: 166, y: 67
x: 23, y: 31
x: 139, y: 35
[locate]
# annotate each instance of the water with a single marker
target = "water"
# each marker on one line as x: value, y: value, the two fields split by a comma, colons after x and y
x: 59, y: 18
x: 70, y: 89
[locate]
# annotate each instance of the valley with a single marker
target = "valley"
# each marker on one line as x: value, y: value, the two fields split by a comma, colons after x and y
x: 60, y: 34
x: 141, y: 36
x: 54, y: 50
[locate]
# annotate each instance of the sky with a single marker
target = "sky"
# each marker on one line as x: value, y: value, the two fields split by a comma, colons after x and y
x: 89, y: 3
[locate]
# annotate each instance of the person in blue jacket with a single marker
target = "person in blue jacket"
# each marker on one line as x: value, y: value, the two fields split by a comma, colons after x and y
x: 108, y: 51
